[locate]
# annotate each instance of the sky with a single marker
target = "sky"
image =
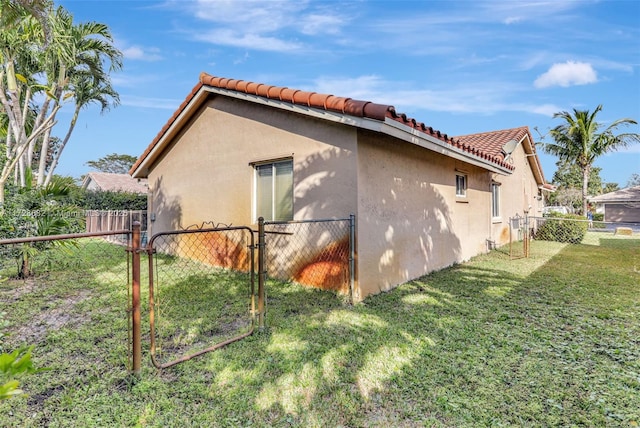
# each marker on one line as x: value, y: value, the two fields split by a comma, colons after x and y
x: 461, y: 67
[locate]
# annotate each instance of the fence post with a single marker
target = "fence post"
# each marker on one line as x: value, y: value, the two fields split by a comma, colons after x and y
x: 526, y: 236
x: 262, y: 273
x: 135, y: 297
x: 352, y: 257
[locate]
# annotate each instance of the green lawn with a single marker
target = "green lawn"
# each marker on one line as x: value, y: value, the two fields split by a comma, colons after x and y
x: 552, y: 340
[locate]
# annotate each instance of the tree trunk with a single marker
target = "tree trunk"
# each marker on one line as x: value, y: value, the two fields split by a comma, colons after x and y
x: 2, y: 184
x: 56, y: 157
x: 585, y: 186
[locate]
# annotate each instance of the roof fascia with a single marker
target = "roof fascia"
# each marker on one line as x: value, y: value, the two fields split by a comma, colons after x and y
x: 361, y: 122
x: 173, y: 129
x: 532, y: 157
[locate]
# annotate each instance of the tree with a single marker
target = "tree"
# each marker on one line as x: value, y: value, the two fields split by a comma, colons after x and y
x: 19, y: 36
x: 610, y: 187
x: 75, y: 65
x: 634, y: 180
x: 43, y: 65
x: 581, y: 141
x: 115, y: 163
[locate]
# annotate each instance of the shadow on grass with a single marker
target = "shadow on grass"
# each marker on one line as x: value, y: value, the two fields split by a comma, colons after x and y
x: 541, y: 341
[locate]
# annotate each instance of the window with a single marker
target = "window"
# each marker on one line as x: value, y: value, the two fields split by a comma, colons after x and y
x: 495, y: 200
x: 274, y: 190
x: 461, y: 185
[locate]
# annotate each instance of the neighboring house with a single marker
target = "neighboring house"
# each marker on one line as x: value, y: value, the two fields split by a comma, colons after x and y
x: 620, y: 206
x: 107, y: 181
x: 236, y: 150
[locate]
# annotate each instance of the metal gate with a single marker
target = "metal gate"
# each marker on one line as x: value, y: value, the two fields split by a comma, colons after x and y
x: 519, y: 237
x: 202, y: 291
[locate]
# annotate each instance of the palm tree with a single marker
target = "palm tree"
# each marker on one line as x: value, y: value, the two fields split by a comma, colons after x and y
x: 20, y: 37
x: 86, y: 91
x: 75, y: 66
x: 581, y: 140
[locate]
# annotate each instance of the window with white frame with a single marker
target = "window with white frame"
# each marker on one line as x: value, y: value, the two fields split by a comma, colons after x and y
x: 274, y: 190
x: 495, y: 200
x: 461, y: 185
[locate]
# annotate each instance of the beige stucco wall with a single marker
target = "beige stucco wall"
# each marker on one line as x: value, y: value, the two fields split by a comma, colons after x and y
x: 206, y: 175
x: 410, y: 221
x: 518, y: 193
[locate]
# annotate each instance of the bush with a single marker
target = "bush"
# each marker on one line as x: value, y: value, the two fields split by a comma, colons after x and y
x: 568, y: 228
x: 101, y: 200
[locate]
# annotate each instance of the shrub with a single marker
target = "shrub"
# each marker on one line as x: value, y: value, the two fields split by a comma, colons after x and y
x: 568, y: 228
x: 103, y: 200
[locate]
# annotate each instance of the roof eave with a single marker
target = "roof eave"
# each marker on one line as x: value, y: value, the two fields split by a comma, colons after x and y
x: 389, y: 126
x: 406, y: 133
x: 141, y: 169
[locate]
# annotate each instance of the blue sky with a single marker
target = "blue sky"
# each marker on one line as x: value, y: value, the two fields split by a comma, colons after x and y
x: 458, y: 66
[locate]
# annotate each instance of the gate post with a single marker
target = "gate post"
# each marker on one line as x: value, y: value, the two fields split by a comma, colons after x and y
x: 352, y: 257
x: 135, y: 297
x: 262, y: 273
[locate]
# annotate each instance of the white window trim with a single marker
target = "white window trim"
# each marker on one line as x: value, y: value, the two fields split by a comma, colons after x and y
x: 254, y: 202
x: 496, y: 185
x: 466, y: 184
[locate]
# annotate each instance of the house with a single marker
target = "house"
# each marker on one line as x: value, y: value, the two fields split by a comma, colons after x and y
x: 110, y: 182
x: 235, y: 150
x: 620, y: 206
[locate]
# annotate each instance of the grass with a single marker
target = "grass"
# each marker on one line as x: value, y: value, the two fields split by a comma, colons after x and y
x: 552, y: 340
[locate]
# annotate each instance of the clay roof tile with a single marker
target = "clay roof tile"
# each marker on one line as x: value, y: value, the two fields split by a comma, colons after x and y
x: 252, y: 88
x: 335, y: 103
x: 262, y: 90
x: 274, y: 92
x: 301, y: 97
x: 317, y: 100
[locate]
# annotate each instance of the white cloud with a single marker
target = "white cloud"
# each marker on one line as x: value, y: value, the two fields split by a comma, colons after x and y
x: 230, y: 37
x: 314, y: 24
x: 512, y: 20
x: 147, y: 102
x: 268, y: 26
x: 570, y: 73
x: 480, y: 98
x: 142, y: 54
x: 544, y: 109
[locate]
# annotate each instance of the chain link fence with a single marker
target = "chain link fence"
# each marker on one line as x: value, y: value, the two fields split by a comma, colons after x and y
x: 206, y: 286
x: 52, y: 284
x: 201, y: 291
x: 317, y: 253
x: 565, y: 229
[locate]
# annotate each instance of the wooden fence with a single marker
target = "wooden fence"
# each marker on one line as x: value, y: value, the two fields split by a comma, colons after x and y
x: 110, y: 220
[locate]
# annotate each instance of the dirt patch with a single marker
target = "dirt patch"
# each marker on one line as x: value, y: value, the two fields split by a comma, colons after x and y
x: 17, y: 290
x: 59, y: 316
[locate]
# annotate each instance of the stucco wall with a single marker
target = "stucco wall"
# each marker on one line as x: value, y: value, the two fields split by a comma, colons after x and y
x: 410, y: 221
x: 518, y: 193
x: 206, y: 176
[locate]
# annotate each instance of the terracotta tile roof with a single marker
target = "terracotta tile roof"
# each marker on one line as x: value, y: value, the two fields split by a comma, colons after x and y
x: 107, y: 181
x: 492, y: 142
x: 342, y: 105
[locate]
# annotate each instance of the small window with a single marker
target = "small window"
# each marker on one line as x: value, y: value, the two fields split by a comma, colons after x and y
x: 461, y: 185
x: 495, y: 200
x: 274, y: 191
